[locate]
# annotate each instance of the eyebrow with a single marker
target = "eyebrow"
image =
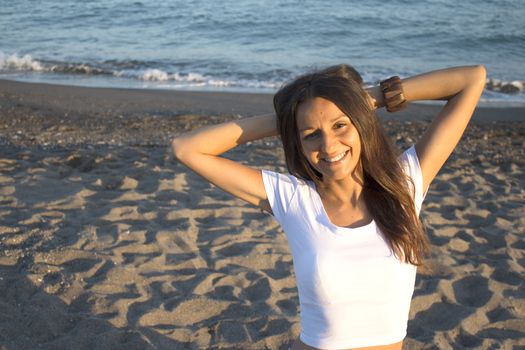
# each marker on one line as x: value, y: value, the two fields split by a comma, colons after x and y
x: 331, y: 121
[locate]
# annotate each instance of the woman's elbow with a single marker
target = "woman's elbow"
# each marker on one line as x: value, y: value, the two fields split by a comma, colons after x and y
x: 480, y: 74
x: 178, y: 148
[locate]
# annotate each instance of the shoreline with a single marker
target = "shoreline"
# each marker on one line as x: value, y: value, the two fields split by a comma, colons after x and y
x: 66, y: 99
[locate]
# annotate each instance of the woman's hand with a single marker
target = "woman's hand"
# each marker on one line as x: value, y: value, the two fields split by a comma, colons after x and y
x: 375, y: 97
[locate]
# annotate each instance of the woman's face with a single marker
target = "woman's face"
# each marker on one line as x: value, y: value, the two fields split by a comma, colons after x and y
x: 329, y: 139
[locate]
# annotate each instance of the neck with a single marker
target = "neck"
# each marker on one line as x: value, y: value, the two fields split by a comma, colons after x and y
x: 346, y: 191
x: 344, y: 203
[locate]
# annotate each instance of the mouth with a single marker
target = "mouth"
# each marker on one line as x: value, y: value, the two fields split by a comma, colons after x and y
x: 337, y: 159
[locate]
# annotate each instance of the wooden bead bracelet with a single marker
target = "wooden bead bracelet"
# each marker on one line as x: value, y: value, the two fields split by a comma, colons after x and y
x: 393, y: 94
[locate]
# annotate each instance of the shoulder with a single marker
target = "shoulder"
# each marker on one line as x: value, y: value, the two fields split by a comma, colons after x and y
x: 281, y: 190
x: 410, y: 161
x: 273, y: 177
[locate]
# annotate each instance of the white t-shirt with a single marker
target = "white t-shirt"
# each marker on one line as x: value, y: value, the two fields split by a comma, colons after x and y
x: 353, y: 292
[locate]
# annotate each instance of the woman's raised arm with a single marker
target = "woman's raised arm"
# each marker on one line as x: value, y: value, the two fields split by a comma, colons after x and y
x: 199, y: 150
x: 461, y: 87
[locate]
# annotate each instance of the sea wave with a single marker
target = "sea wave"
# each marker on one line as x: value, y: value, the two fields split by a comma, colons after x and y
x: 138, y: 71
x: 19, y: 63
x: 160, y: 77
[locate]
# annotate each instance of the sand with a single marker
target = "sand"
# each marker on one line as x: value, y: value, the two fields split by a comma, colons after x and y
x: 106, y: 242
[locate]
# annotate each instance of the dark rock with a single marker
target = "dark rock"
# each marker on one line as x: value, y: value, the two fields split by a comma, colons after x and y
x: 510, y: 89
x: 81, y: 162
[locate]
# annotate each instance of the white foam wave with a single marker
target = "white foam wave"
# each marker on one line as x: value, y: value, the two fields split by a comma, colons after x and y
x: 196, y: 79
x: 23, y: 63
x: 160, y: 75
x: 161, y: 79
x: 155, y: 75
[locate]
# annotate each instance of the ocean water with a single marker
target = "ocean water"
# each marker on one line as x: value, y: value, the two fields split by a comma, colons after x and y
x: 255, y: 46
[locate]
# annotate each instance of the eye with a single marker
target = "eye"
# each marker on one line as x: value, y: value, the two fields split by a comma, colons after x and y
x: 339, y: 125
x: 310, y: 135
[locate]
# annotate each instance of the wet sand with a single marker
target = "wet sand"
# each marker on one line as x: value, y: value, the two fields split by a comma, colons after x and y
x: 106, y: 242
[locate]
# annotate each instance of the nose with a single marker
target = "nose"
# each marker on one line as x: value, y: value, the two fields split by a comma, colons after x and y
x: 328, y: 143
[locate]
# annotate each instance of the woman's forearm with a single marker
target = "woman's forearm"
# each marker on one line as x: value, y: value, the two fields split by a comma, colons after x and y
x: 217, y: 139
x: 442, y: 84
x: 436, y: 85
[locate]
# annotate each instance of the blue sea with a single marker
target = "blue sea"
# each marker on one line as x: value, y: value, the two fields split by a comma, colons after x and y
x: 255, y: 46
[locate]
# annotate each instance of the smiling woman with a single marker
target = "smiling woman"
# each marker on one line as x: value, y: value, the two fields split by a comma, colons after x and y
x: 327, y: 137
x: 350, y: 204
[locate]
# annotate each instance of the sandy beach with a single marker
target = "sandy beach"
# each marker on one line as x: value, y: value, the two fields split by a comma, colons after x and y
x: 106, y: 242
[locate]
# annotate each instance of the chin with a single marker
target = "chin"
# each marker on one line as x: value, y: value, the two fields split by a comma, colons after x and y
x: 338, y: 175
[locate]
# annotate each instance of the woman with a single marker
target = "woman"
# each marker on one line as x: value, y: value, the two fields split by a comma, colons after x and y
x: 350, y: 205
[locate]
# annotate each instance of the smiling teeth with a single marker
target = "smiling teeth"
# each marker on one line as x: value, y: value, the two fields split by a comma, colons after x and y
x: 335, y: 159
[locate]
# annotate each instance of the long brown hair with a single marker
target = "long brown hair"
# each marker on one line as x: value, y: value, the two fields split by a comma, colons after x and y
x: 386, y: 186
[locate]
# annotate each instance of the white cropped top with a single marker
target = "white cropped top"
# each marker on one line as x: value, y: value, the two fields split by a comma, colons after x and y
x: 353, y: 292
